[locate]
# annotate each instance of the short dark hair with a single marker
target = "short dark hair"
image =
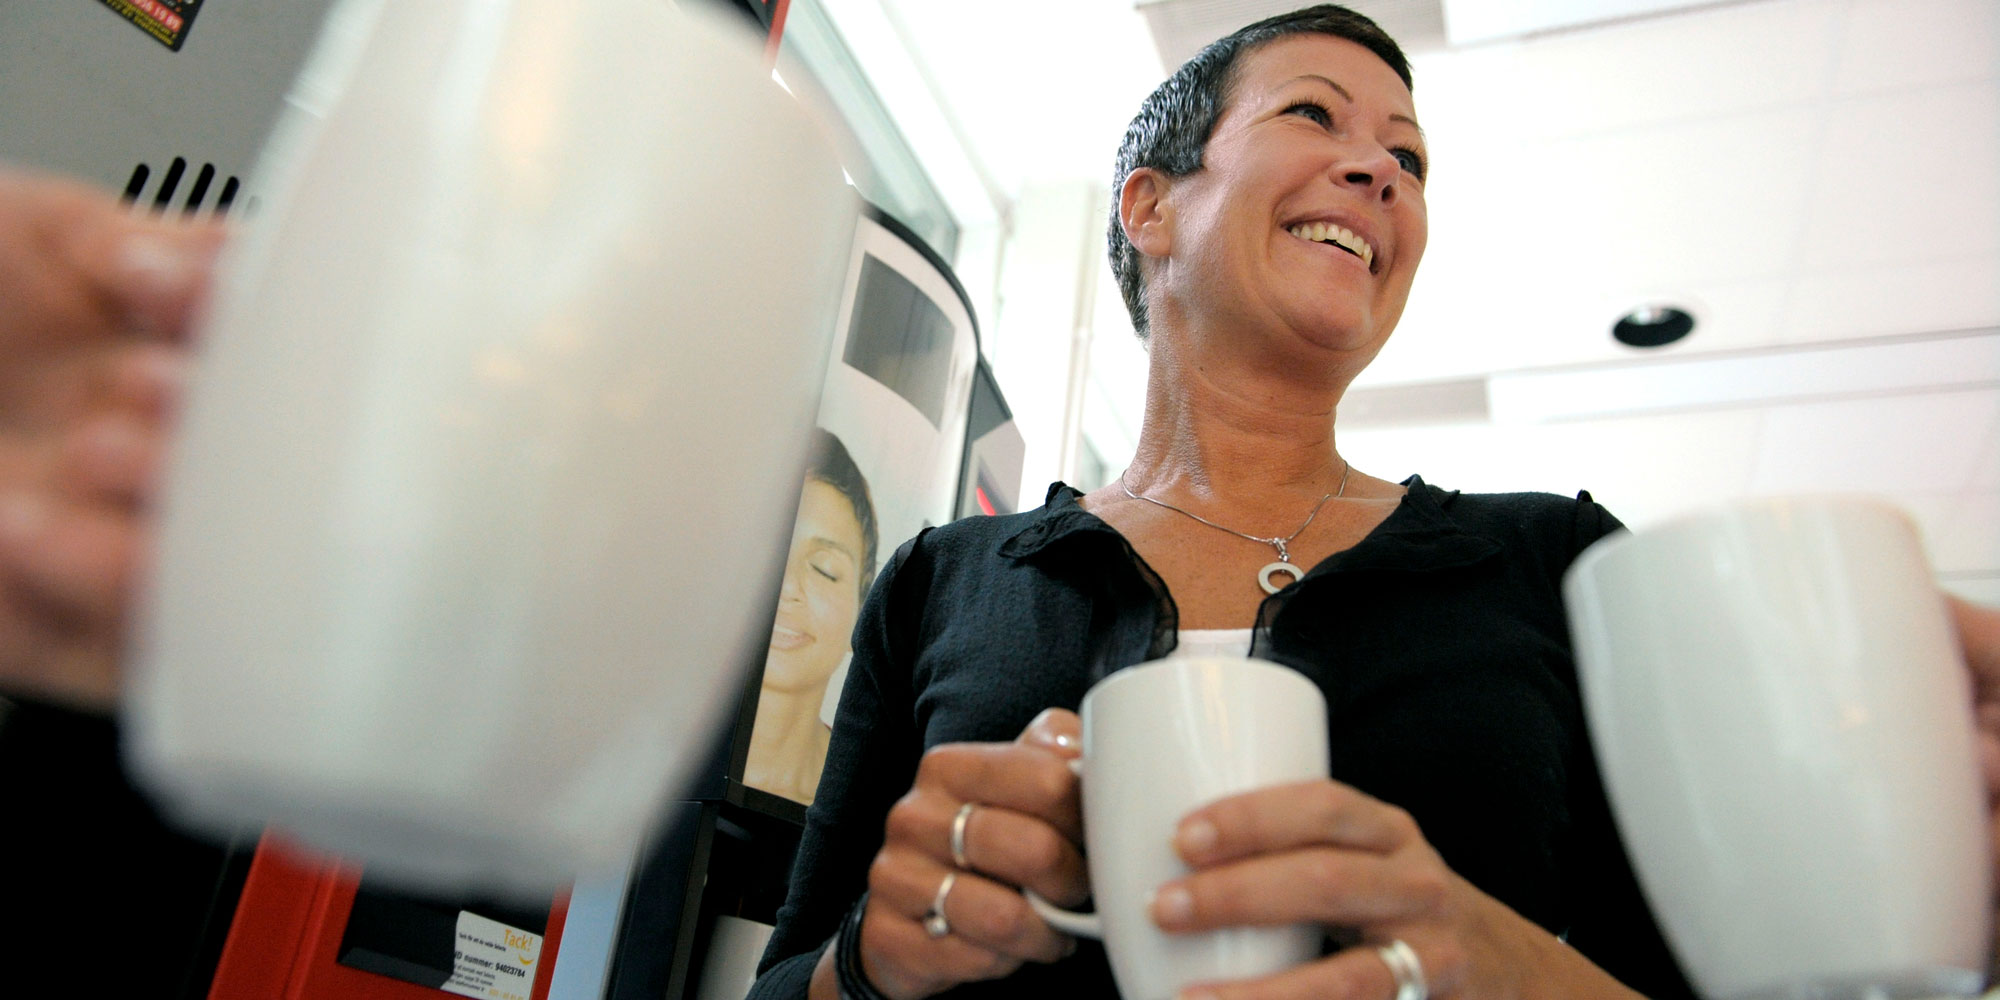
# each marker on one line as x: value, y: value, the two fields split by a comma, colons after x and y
x: 1176, y: 120
x: 829, y: 463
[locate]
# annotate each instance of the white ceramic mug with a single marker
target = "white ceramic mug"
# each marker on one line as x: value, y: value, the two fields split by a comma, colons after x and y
x: 1783, y: 722
x: 494, y: 443
x: 1160, y: 740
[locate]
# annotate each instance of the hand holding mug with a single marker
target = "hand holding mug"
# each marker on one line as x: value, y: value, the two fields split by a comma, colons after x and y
x: 1324, y: 853
x: 98, y: 303
x: 1222, y: 855
x: 982, y: 822
x: 1780, y: 712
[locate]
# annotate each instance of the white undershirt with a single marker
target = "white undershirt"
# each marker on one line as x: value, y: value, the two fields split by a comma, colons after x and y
x: 1212, y: 642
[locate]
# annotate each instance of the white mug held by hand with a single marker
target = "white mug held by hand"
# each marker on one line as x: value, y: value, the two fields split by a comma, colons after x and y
x: 495, y: 439
x: 1783, y: 724
x: 1161, y: 740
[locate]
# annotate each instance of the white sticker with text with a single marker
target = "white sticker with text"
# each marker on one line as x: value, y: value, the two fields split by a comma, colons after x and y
x: 491, y: 960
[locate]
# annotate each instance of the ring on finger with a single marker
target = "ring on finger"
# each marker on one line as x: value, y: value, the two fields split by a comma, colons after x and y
x: 1403, y: 964
x: 935, y: 923
x: 958, y: 825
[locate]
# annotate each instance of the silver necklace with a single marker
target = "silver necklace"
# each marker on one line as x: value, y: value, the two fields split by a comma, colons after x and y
x: 1284, y: 563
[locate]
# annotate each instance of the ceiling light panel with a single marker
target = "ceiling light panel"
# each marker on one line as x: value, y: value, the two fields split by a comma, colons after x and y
x: 1758, y: 378
x: 1469, y: 22
x: 1181, y: 27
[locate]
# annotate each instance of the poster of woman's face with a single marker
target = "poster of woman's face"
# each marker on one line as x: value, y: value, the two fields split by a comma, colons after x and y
x: 884, y: 464
x: 828, y: 569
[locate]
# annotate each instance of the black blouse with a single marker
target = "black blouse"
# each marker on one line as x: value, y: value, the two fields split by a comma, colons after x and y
x: 1439, y: 640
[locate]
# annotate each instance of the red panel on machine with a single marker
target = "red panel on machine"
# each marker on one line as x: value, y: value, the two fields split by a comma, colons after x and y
x: 285, y: 941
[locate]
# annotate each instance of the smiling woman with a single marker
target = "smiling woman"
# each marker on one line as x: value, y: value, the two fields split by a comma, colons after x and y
x: 1270, y: 217
x: 829, y: 568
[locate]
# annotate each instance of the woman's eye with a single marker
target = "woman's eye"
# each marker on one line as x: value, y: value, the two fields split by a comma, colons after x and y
x: 826, y: 570
x: 1315, y: 112
x: 1411, y: 162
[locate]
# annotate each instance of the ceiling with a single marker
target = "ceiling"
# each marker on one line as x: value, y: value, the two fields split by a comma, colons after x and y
x: 1818, y: 181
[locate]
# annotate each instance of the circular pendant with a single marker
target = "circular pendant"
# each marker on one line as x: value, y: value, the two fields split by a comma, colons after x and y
x: 1264, y: 575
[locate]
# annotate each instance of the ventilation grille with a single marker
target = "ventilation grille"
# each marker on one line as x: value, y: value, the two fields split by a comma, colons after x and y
x: 174, y: 188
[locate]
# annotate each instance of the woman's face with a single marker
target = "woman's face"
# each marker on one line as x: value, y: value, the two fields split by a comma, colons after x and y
x: 1319, y: 135
x: 821, y: 595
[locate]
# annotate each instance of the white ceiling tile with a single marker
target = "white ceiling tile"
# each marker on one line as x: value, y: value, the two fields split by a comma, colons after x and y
x: 1678, y: 202
x: 1496, y: 329
x: 1649, y: 468
x: 1469, y: 22
x: 1537, y: 247
x: 1454, y: 456
x: 1915, y: 443
x: 1041, y: 89
x: 1729, y: 316
x: 1926, y: 296
x: 1910, y: 176
x: 1707, y: 63
x: 1642, y: 468
x: 1894, y: 44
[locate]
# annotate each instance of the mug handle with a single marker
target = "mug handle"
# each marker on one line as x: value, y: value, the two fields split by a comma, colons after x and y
x: 1088, y: 925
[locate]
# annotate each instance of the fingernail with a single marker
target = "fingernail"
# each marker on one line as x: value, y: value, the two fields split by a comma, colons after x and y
x: 1196, y: 837
x: 1172, y: 905
x: 158, y: 265
x: 22, y: 516
x: 1060, y: 741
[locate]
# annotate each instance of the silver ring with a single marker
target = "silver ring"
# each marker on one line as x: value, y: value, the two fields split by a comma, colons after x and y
x: 1402, y: 962
x: 934, y: 922
x: 958, y: 825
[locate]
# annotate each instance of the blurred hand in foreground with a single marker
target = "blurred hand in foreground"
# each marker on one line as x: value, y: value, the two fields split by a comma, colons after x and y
x: 96, y: 304
x: 1979, y: 635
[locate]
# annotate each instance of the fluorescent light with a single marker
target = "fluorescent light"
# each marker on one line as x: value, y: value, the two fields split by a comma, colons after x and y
x: 1750, y: 378
x: 1469, y: 22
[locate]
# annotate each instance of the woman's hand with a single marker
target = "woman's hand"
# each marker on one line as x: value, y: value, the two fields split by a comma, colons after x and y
x: 1326, y: 853
x: 1021, y: 833
x: 95, y: 306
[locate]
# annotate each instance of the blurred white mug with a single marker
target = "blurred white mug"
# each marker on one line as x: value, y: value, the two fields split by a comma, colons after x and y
x: 1784, y: 726
x: 488, y: 462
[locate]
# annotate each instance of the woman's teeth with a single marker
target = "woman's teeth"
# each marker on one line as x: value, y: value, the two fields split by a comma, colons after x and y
x: 1340, y: 236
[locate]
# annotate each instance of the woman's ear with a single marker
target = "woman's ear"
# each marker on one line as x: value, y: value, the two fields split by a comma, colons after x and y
x: 1144, y: 211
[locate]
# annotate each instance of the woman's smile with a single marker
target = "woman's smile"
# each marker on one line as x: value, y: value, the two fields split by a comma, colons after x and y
x: 1339, y: 237
x: 786, y: 637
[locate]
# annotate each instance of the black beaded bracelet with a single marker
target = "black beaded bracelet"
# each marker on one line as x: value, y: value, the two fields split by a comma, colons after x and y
x: 853, y: 982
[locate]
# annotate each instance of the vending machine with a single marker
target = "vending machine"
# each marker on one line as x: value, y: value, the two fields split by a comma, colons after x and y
x: 907, y: 406
x: 168, y: 103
